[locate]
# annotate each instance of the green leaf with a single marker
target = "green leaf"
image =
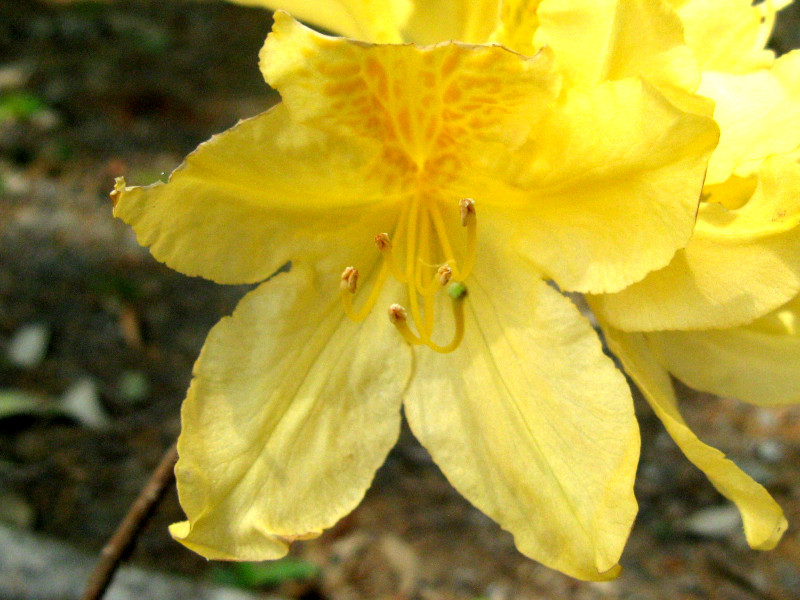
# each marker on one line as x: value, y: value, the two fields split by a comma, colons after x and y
x: 269, y: 573
x: 14, y: 403
x: 17, y: 106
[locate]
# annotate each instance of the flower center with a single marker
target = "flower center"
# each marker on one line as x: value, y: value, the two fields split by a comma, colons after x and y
x: 427, y: 265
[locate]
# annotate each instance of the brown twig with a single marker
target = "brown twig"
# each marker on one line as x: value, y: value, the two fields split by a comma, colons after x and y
x: 128, y: 530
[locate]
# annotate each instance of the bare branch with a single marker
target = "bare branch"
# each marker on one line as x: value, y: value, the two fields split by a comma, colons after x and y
x: 112, y: 553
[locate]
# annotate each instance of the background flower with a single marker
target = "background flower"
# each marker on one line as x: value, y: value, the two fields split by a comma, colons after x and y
x: 721, y: 316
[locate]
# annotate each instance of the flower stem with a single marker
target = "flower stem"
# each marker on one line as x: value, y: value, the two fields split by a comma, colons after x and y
x: 131, y: 525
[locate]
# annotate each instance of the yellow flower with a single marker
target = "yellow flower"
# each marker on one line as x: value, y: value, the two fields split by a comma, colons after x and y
x: 423, y: 196
x: 721, y: 316
x: 729, y: 35
x: 395, y: 21
x: 757, y: 362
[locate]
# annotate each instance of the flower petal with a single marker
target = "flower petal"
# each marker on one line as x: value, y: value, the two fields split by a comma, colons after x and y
x: 369, y: 20
x: 598, y: 40
x: 415, y: 103
x: 531, y: 422
x: 420, y: 21
x: 758, y: 114
x: 433, y: 21
x: 729, y: 35
x: 291, y: 410
x: 763, y: 519
x: 250, y: 199
x: 518, y: 24
x: 608, y: 185
x: 739, y: 265
x: 758, y: 363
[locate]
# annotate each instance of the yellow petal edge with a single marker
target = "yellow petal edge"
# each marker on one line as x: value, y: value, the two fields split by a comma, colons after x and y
x: 764, y: 522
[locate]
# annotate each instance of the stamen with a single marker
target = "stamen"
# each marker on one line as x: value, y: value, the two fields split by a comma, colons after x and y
x: 384, y: 244
x: 445, y: 274
x: 442, y: 277
x: 350, y: 279
x: 399, y: 318
x: 397, y: 314
x: 467, y: 206
x: 425, y: 270
x: 469, y: 219
x: 349, y: 285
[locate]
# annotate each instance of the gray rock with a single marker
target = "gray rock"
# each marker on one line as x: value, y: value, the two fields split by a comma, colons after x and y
x: 714, y: 522
x: 82, y: 402
x: 34, y: 568
x: 28, y: 346
x: 770, y: 451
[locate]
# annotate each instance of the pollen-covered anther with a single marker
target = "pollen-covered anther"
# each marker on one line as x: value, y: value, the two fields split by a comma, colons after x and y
x: 445, y: 274
x: 399, y: 318
x: 469, y: 220
x: 383, y: 242
x: 397, y: 314
x: 350, y: 279
x: 467, y: 206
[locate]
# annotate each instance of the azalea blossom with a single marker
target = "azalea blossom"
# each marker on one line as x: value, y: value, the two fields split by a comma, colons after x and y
x: 396, y: 21
x: 425, y: 196
x: 727, y: 312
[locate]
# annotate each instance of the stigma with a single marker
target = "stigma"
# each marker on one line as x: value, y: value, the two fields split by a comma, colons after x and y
x: 420, y: 256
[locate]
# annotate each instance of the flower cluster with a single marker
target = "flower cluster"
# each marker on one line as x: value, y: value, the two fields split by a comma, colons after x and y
x: 437, y: 177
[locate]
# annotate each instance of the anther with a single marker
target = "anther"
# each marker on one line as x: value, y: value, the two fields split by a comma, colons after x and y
x: 469, y: 220
x: 467, y: 206
x: 397, y: 314
x: 384, y: 244
x: 445, y: 274
x: 350, y: 279
x: 399, y: 318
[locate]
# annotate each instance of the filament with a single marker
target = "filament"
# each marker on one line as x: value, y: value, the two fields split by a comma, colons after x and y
x: 347, y: 297
x: 421, y: 235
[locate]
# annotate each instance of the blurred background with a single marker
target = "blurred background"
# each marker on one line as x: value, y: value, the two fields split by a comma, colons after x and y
x: 97, y: 341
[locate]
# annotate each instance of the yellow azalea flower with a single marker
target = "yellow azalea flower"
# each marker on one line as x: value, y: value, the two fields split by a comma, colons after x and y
x: 595, y: 40
x: 741, y: 259
x: 729, y: 35
x: 757, y: 362
x: 423, y: 194
x: 395, y: 21
x: 599, y: 40
x: 720, y: 316
x: 740, y: 264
